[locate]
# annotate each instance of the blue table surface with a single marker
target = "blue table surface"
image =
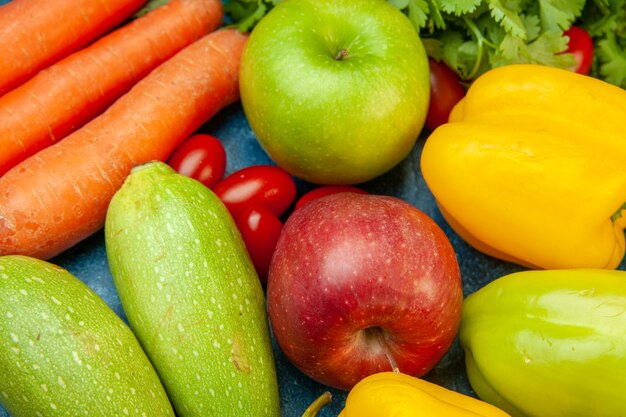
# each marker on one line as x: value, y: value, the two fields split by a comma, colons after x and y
x: 88, y: 260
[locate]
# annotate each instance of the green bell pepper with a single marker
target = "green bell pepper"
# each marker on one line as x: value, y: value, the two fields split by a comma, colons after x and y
x: 549, y: 343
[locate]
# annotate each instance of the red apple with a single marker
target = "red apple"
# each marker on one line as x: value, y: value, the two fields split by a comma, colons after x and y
x: 361, y: 283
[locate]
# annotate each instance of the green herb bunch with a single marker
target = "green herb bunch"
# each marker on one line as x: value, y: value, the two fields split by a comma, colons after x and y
x: 472, y: 36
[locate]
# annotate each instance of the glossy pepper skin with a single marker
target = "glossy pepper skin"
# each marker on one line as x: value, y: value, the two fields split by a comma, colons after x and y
x: 549, y: 343
x: 390, y: 394
x: 530, y: 168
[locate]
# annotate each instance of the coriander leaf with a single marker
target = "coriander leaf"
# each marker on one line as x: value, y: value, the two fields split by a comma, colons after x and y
x: 418, y: 13
x: 549, y: 48
x: 529, y: 6
x: 612, y: 61
x: 532, y: 25
x: 492, y: 30
x: 458, y: 7
x: 247, y: 22
x: 150, y: 6
x: 435, y: 14
x: 507, y: 17
x: 470, y: 59
x: 451, y: 42
x: 238, y: 10
x: 434, y: 48
x: 559, y: 14
x: 245, y: 14
x: 400, y: 4
x: 477, y: 32
x: 605, y: 19
x: 511, y: 50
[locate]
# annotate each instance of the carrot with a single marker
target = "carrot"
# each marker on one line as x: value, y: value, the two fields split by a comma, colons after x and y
x: 59, y: 196
x: 62, y: 97
x: 36, y: 33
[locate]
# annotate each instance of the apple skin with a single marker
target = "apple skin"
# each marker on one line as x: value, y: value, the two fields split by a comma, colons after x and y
x: 355, y: 276
x: 328, y: 118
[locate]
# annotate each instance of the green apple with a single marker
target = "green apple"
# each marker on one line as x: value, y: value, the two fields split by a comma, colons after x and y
x: 336, y: 91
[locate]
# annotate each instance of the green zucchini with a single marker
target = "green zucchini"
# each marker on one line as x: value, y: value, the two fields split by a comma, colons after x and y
x: 191, y: 294
x: 64, y: 352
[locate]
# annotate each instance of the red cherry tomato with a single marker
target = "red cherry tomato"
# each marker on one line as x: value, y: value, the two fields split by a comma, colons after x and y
x: 258, y: 185
x: 260, y: 229
x: 445, y: 91
x: 581, y: 45
x: 327, y: 190
x: 201, y: 157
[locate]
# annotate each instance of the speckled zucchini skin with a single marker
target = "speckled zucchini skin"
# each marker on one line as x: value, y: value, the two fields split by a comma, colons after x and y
x: 191, y: 295
x: 64, y: 352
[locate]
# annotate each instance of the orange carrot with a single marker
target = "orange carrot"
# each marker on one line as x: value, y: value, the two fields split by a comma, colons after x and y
x: 36, y: 33
x: 60, y: 195
x: 64, y: 96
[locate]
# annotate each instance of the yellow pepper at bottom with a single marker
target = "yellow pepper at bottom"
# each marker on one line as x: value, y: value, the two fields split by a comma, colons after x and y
x: 391, y: 394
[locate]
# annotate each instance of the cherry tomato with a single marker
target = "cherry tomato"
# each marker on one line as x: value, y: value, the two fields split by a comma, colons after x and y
x: 445, y: 91
x: 258, y: 185
x: 201, y: 157
x: 581, y: 45
x: 326, y: 190
x: 260, y: 229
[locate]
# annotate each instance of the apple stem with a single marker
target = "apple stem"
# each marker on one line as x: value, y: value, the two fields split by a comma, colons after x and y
x: 341, y: 54
x: 387, y: 351
x: 316, y: 405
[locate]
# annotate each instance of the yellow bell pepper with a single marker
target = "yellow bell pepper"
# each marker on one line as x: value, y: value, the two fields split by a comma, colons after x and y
x: 400, y: 395
x: 531, y: 169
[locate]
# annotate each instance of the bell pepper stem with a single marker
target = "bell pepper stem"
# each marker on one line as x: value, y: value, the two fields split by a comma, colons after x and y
x: 618, y: 213
x: 317, y: 405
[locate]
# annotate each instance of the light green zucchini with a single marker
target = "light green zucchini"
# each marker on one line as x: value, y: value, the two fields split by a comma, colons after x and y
x: 64, y: 352
x: 191, y: 294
